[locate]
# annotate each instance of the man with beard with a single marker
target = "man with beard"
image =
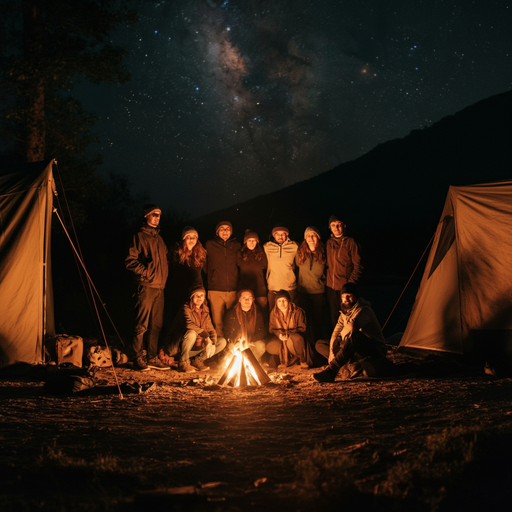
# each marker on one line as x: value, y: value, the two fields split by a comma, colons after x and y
x: 357, y: 335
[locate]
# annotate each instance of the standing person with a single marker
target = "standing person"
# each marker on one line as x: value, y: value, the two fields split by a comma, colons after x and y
x: 148, y: 263
x: 357, y: 335
x: 311, y: 262
x: 280, y: 251
x: 252, y: 264
x: 288, y: 325
x: 343, y: 264
x: 192, y: 335
x: 244, y: 326
x: 188, y: 262
x: 222, y: 273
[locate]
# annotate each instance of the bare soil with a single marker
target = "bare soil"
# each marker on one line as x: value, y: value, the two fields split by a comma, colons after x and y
x: 294, y: 444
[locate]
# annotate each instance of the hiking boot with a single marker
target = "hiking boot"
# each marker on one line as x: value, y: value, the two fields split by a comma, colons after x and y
x: 155, y: 364
x: 327, y: 375
x: 186, y: 367
x: 197, y: 363
x: 140, y: 364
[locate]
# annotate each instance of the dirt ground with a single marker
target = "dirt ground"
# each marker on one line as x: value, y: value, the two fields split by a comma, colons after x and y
x: 428, y: 441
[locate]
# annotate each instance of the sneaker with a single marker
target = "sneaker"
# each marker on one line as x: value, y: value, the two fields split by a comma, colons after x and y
x: 326, y: 375
x: 197, y: 363
x: 155, y: 364
x: 304, y: 366
x: 186, y: 367
x: 140, y: 364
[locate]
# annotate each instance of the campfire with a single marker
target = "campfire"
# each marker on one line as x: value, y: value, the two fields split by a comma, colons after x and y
x: 243, y: 370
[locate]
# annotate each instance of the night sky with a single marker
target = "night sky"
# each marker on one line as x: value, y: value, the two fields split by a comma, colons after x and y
x: 230, y: 99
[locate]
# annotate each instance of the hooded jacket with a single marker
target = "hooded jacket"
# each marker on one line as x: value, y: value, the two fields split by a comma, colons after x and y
x: 147, y: 258
x: 343, y: 262
x: 281, y: 265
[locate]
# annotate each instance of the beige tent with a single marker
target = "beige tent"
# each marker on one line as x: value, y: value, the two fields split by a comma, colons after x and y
x: 26, y: 301
x: 464, y: 304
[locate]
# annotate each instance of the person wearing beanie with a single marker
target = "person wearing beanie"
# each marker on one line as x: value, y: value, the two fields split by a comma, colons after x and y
x: 192, y: 337
x: 288, y: 325
x: 343, y: 264
x: 187, y: 265
x: 252, y: 265
x: 148, y: 264
x: 222, y: 272
x: 311, y: 262
x: 280, y: 251
x: 357, y: 335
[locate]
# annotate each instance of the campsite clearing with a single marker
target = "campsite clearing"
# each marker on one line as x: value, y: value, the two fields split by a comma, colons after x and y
x: 421, y: 443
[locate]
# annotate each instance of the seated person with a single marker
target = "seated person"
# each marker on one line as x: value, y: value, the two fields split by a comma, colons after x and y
x: 192, y: 334
x: 357, y: 335
x: 288, y: 325
x: 244, y: 325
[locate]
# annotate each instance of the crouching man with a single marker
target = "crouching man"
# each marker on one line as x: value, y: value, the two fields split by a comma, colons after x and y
x: 357, y: 335
x: 244, y: 326
x: 192, y: 336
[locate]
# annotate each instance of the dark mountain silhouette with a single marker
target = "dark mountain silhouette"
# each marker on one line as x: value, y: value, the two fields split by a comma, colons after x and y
x: 391, y: 198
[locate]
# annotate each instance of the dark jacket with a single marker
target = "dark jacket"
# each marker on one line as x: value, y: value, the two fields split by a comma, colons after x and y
x: 221, y: 264
x: 252, y: 273
x: 233, y: 328
x: 147, y: 258
x: 343, y: 262
x: 296, y: 321
x: 183, y: 278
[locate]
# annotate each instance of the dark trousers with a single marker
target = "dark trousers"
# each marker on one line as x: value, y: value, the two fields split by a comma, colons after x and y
x: 334, y: 300
x: 356, y: 346
x: 314, y: 306
x: 149, y: 316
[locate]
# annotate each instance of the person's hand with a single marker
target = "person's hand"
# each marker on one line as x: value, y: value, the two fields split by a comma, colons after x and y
x: 283, y: 337
x: 331, y: 355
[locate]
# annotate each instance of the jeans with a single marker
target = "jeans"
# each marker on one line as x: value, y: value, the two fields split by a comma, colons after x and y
x: 189, y: 349
x: 149, y: 316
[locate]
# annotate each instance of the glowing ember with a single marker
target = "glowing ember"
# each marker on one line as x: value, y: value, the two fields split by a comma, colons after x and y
x: 243, y: 370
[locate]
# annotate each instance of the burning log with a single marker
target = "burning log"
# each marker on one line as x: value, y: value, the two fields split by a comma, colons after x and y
x: 244, y: 370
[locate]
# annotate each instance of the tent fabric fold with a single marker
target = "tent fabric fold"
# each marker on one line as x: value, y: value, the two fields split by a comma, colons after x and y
x: 26, y: 296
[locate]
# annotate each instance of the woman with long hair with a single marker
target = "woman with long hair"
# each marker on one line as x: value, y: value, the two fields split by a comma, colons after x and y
x: 311, y: 262
x: 252, y: 262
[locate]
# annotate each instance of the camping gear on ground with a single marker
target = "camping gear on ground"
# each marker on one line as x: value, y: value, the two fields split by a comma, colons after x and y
x: 66, y: 350
x: 102, y: 356
x: 464, y: 304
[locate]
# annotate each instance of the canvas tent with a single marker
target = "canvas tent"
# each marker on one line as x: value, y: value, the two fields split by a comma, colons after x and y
x: 26, y: 301
x: 464, y: 304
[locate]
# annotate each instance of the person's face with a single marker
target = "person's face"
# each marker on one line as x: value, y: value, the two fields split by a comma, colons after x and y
x: 312, y: 241
x: 153, y: 219
x: 224, y: 232
x: 282, y: 304
x: 251, y: 243
x: 280, y: 237
x: 190, y: 241
x: 198, y: 299
x: 348, y: 300
x: 337, y: 228
x: 246, y: 299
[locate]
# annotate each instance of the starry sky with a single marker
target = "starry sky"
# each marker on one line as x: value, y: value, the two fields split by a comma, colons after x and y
x: 230, y: 99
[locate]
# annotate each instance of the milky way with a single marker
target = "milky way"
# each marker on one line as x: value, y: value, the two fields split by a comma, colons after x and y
x: 231, y: 99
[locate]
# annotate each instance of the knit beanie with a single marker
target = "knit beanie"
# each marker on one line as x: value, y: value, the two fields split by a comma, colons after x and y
x: 312, y: 229
x: 242, y: 290
x: 334, y: 218
x: 249, y: 233
x: 280, y: 227
x: 188, y: 230
x: 149, y: 208
x: 283, y: 294
x: 350, y: 288
x: 196, y: 289
x: 223, y: 223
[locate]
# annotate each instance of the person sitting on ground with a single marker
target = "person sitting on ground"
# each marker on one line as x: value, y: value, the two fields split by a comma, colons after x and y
x: 357, y: 335
x: 244, y: 326
x: 288, y: 325
x: 192, y: 335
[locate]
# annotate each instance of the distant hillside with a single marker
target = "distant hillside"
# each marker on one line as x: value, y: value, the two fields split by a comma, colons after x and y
x: 391, y: 198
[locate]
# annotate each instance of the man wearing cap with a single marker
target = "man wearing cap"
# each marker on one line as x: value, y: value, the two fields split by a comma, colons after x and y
x: 357, y: 335
x: 280, y: 251
x: 343, y: 264
x: 192, y: 335
x: 147, y: 261
x: 222, y: 273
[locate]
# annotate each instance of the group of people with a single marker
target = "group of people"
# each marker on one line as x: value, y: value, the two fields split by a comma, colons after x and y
x: 271, y: 298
